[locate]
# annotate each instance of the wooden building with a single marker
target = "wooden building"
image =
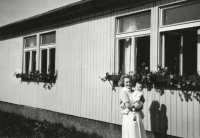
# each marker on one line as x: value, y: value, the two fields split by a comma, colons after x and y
x: 83, y: 41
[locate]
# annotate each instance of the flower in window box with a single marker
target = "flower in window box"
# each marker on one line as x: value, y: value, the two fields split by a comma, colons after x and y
x: 178, y: 86
x: 171, y: 76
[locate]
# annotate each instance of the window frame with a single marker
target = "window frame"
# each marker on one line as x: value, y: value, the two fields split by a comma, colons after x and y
x: 176, y: 26
x: 38, y: 49
x: 132, y: 35
x: 182, y: 25
x: 28, y: 49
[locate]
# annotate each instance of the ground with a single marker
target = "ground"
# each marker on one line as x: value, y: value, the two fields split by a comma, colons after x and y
x: 16, y: 126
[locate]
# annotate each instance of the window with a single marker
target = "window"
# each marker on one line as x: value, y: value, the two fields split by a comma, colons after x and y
x: 30, y: 41
x: 180, y: 43
x: 181, y: 51
x: 48, y: 38
x: 30, y: 54
x: 179, y: 14
x: 133, y: 42
x: 47, y: 48
x: 134, y: 22
x: 40, y: 55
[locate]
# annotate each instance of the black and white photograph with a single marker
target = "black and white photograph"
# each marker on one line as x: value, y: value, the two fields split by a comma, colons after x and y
x: 99, y: 69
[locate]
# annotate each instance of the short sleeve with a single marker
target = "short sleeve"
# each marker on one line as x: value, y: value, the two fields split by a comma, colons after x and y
x: 123, y: 97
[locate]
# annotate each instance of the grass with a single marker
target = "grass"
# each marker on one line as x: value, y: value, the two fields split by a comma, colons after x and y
x: 16, y: 126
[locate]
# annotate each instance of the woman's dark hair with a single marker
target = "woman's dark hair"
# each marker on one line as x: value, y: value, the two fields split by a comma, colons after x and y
x: 121, y: 81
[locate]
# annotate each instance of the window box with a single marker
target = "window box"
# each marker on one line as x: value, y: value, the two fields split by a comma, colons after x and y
x: 26, y: 76
x: 37, y: 77
x: 113, y: 77
x: 18, y: 75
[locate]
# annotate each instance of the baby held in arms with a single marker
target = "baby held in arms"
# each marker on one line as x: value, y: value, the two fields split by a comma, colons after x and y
x: 136, y: 97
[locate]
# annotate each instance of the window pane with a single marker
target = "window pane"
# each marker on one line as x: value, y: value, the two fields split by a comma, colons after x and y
x: 125, y: 55
x: 44, y: 61
x: 143, y: 51
x: 134, y: 22
x: 172, y: 44
x: 30, y: 41
x: 27, y: 61
x: 52, y: 60
x: 181, y: 14
x: 49, y: 38
x: 190, y: 51
x: 172, y: 51
x: 33, y: 61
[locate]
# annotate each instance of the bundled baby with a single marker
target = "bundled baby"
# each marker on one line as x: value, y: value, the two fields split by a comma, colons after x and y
x: 136, y: 97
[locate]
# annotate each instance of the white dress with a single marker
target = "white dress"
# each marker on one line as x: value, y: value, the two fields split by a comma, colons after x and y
x: 131, y: 128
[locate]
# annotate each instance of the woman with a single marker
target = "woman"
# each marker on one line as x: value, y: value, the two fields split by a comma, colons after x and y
x: 131, y: 128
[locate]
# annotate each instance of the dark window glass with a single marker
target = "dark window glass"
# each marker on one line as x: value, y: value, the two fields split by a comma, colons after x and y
x: 189, y: 51
x: 172, y: 44
x: 30, y: 41
x: 52, y: 60
x: 143, y: 51
x: 49, y: 38
x: 135, y: 22
x: 44, y: 61
x: 181, y: 14
x: 33, y: 61
x: 27, y: 61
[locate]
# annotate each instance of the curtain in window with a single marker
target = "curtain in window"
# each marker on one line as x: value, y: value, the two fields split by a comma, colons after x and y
x: 125, y: 55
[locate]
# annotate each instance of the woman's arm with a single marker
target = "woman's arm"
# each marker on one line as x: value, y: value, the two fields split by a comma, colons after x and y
x: 129, y: 105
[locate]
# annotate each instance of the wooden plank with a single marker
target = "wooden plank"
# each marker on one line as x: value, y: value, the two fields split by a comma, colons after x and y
x: 93, y: 66
x: 118, y: 108
x: 168, y: 105
x: 80, y: 64
x: 145, y: 109
x: 151, y: 116
x: 107, y: 47
x: 191, y: 117
x: 163, y: 112
x: 100, y: 91
x: 157, y: 110
x: 97, y: 56
x: 179, y: 116
x: 112, y: 49
x: 196, y: 118
x: 173, y: 120
x: 86, y: 75
x: 83, y: 67
x: 185, y: 119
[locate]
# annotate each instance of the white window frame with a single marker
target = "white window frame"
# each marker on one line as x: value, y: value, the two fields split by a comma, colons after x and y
x: 132, y: 35
x: 176, y: 26
x: 29, y: 49
x: 38, y: 48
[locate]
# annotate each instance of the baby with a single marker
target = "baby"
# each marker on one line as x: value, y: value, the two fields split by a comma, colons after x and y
x: 136, y: 97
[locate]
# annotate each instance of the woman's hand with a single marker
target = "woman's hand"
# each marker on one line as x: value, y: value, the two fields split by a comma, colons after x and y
x: 138, y: 104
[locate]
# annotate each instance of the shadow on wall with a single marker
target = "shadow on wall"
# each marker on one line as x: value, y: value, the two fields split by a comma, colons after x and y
x: 159, y: 120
